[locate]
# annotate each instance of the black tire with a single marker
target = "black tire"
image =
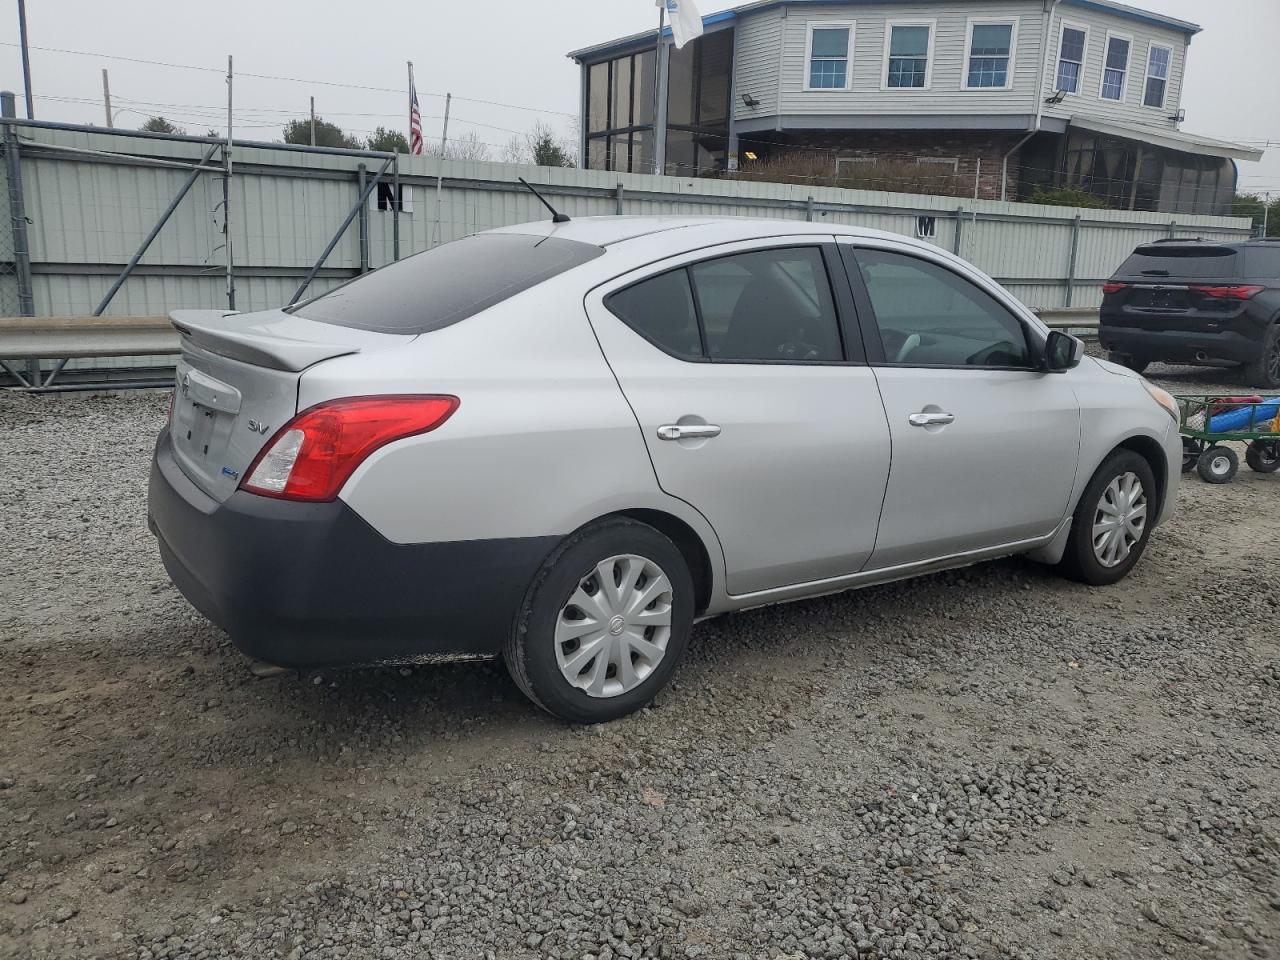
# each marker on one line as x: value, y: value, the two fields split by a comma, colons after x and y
x: 1191, y: 449
x: 530, y: 651
x: 1263, y: 456
x: 1136, y: 364
x: 1080, y: 562
x: 1218, y: 464
x: 1264, y: 372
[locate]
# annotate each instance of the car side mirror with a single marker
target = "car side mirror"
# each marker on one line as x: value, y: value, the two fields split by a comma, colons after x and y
x: 1062, y: 352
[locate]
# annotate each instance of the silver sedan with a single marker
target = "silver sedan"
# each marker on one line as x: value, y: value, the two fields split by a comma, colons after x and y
x: 563, y: 443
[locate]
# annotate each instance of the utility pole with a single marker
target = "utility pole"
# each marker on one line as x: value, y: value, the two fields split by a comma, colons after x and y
x: 444, y: 133
x: 1266, y: 209
x: 444, y: 139
x: 313, y: 121
x: 26, y: 58
x: 226, y: 198
x: 106, y: 98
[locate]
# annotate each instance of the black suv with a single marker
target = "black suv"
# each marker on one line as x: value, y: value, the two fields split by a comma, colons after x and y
x: 1192, y: 301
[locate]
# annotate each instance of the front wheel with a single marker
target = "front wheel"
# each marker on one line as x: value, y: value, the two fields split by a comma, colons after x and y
x: 604, y: 623
x: 1112, y: 522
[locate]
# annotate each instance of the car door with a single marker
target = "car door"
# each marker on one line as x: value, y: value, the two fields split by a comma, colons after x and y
x: 985, y: 443
x: 748, y: 381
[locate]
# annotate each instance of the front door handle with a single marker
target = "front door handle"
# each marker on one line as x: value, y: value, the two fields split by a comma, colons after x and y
x: 931, y: 419
x: 688, y: 431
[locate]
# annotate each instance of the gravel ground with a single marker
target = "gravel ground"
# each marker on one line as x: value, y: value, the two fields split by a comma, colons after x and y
x: 985, y: 763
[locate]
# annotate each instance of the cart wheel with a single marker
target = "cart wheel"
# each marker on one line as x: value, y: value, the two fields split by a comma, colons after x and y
x: 1263, y: 456
x: 1218, y: 464
x: 1191, y: 449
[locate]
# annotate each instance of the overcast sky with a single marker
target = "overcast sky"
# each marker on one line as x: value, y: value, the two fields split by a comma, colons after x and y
x: 510, y: 52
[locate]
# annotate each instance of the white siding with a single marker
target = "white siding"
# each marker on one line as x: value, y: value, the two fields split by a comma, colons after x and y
x: 757, y: 61
x: 1088, y: 102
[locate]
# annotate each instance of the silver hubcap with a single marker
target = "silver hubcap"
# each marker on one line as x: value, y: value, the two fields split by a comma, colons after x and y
x: 1120, y: 519
x: 1220, y: 465
x: 613, y: 631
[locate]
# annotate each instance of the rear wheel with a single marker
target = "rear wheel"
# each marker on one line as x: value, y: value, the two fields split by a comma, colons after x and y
x: 1136, y: 364
x: 1112, y: 522
x: 1263, y: 456
x: 604, y: 624
x: 1218, y: 464
x: 1191, y: 450
x: 1265, y: 371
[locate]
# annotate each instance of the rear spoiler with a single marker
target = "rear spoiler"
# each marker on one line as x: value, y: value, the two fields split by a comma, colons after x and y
x: 273, y: 339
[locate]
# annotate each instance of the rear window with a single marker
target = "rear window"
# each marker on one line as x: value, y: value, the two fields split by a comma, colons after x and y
x: 1187, y: 263
x: 446, y: 284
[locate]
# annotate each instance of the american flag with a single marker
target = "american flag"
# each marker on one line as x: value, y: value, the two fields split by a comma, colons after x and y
x: 415, y: 118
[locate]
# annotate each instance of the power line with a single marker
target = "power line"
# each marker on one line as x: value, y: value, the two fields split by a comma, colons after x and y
x: 303, y: 80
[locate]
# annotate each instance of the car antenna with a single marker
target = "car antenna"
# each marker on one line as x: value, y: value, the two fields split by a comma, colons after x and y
x: 556, y: 215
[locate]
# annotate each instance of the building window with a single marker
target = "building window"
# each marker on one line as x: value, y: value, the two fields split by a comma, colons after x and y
x: 848, y: 166
x: 1157, y: 76
x: 908, y: 54
x: 828, y: 55
x: 620, y: 114
x: 1116, y: 68
x: 990, y: 54
x: 1071, y: 51
x: 951, y: 163
x: 698, y: 86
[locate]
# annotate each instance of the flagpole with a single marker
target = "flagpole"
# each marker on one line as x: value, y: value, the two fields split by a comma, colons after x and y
x: 410, y: 101
x: 657, y: 73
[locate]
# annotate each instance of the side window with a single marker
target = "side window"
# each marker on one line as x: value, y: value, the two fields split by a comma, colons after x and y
x: 661, y: 310
x: 1263, y: 263
x: 767, y: 305
x: 929, y: 316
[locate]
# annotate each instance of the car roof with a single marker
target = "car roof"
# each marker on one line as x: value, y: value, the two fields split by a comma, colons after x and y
x: 1209, y: 242
x: 686, y: 232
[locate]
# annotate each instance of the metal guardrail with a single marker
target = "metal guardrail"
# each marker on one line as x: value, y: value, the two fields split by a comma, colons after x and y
x: 65, y: 338
x: 1082, y: 321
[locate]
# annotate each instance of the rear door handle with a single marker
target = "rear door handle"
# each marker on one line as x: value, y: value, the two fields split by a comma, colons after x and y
x: 688, y: 431
x: 931, y: 419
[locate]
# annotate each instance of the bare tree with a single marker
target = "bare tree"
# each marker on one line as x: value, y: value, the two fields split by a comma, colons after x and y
x: 541, y: 147
x: 466, y: 147
x: 514, y: 151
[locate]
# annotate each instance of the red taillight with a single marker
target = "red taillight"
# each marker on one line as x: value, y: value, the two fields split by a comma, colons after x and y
x: 1239, y: 291
x: 1112, y: 286
x: 312, y: 455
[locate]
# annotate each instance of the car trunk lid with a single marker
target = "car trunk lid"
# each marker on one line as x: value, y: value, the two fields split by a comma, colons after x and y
x: 237, y: 384
x: 1161, y: 286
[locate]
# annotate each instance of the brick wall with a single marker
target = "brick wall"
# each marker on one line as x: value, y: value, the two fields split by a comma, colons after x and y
x: 977, y: 156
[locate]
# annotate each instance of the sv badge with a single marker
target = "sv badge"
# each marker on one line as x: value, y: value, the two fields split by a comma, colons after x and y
x: 257, y: 427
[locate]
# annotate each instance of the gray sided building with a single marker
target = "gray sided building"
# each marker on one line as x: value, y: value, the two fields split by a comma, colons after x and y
x: 1011, y: 95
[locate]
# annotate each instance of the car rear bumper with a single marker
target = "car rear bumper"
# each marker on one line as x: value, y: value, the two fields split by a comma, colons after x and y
x: 1175, y: 345
x: 312, y: 584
